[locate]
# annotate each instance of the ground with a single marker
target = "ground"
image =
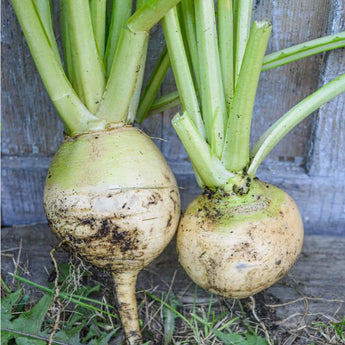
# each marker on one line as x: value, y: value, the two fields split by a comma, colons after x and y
x: 306, y: 307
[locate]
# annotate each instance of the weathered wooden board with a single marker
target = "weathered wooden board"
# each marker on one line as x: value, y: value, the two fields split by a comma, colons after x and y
x: 293, y: 22
x: 22, y: 182
x: 315, y: 285
x: 327, y: 143
x: 29, y: 122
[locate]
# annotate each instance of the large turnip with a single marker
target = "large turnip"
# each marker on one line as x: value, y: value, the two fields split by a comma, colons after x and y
x: 109, y: 195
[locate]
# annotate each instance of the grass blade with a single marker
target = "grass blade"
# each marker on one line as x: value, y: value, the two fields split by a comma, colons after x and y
x: 169, y: 319
x: 170, y: 308
x: 77, y: 299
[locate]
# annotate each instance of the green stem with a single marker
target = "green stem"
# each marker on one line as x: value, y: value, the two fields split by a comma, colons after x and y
x: 187, y: 22
x: 98, y: 16
x: 271, y: 61
x: 209, y: 168
x: 180, y: 66
x: 226, y: 48
x: 293, y: 117
x: 134, y: 103
x: 212, y: 92
x: 88, y: 67
x: 126, y: 64
x: 149, y: 14
x: 236, y: 149
x: 72, y: 111
x: 66, y: 43
x: 166, y: 102
x: 123, y: 76
x: 243, y: 15
x: 43, y: 7
x: 120, y: 14
x: 153, y: 85
x: 303, y: 50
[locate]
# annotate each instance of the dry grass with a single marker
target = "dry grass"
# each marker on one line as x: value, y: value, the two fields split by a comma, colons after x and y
x: 254, y: 315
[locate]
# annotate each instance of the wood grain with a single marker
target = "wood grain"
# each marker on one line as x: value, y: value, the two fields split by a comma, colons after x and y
x: 327, y: 144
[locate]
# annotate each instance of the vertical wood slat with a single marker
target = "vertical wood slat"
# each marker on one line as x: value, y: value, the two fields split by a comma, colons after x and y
x: 327, y: 144
x: 30, y: 125
x: 293, y: 22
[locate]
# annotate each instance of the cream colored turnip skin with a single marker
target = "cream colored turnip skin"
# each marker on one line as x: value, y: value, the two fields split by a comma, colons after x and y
x: 237, y: 244
x: 111, y: 197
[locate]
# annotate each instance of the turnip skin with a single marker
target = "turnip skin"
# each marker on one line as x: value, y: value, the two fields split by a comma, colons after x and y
x: 112, y: 198
x: 237, y: 245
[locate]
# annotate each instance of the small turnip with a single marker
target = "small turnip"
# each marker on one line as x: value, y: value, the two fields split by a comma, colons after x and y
x: 237, y: 245
x: 241, y: 234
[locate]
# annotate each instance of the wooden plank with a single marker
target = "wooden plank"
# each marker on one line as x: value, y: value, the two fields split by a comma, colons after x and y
x: 327, y: 147
x: 280, y: 89
x: 29, y: 122
x: 22, y: 190
x: 316, y: 284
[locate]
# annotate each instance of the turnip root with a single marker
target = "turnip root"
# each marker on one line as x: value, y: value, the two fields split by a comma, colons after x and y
x: 241, y: 235
x: 111, y: 197
x: 237, y: 245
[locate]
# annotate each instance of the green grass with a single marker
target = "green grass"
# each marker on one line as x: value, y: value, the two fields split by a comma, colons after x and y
x: 84, y: 313
x: 85, y: 319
